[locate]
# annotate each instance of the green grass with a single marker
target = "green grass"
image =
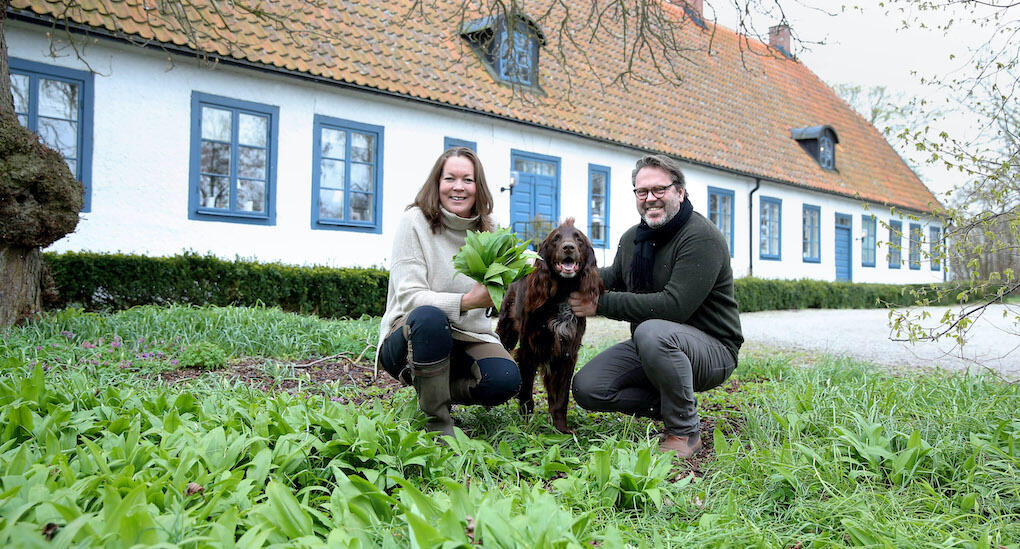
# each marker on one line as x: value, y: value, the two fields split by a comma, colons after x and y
x: 834, y: 453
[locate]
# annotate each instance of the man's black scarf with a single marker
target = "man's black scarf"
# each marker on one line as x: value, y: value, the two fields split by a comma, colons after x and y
x: 647, y: 239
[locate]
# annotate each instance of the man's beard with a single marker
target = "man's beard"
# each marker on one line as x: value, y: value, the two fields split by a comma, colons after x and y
x: 670, y: 208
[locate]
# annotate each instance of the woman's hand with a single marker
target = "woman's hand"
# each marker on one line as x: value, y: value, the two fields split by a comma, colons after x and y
x: 476, y: 298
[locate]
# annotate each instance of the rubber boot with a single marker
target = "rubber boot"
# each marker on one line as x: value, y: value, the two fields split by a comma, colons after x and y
x: 460, y: 390
x: 432, y: 383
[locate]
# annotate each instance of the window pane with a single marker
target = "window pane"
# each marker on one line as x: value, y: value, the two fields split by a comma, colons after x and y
x: 62, y: 135
x: 251, y: 162
x: 333, y: 143
x: 19, y: 87
x: 533, y: 166
x: 251, y: 195
x: 58, y: 99
x: 331, y: 204
x: 598, y: 204
x: 361, y: 177
x: 362, y: 147
x: 598, y: 183
x: 215, y: 124
x: 251, y: 130
x: 361, y: 207
x: 215, y: 158
x: 597, y: 231
x: 23, y: 119
x: 332, y: 176
x: 214, y: 192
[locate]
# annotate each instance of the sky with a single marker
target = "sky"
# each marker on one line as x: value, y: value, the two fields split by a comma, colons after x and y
x: 868, y: 46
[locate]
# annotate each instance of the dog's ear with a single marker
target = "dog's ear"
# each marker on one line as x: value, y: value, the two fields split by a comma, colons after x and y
x: 591, y: 282
x: 541, y: 286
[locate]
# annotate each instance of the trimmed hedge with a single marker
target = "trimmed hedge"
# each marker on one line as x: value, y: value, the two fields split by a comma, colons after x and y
x: 756, y: 294
x: 116, y: 281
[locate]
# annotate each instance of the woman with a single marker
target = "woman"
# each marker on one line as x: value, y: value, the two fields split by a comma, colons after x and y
x: 434, y: 334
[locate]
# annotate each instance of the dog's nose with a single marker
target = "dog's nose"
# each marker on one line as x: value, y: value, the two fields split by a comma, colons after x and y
x: 569, y: 246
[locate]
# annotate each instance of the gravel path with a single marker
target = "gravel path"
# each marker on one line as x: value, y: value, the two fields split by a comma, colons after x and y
x: 993, y: 342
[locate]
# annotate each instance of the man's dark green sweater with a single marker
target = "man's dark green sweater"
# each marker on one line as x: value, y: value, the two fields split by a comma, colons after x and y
x: 692, y: 284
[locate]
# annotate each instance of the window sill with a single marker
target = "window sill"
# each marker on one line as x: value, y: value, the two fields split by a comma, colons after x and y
x: 225, y: 216
x: 335, y: 225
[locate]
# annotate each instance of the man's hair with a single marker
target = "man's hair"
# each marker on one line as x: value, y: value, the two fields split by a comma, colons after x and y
x: 664, y: 163
x: 428, y: 196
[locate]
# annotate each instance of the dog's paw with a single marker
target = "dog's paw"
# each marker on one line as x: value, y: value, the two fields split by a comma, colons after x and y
x: 562, y: 427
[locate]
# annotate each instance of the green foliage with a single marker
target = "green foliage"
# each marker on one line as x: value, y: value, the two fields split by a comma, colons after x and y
x: 203, y: 354
x: 116, y: 281
x: 830, y: 455
x: 757, y: 294
x: 495, y: 259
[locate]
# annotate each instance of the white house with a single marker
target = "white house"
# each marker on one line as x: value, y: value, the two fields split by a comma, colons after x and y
x: 304, y: 146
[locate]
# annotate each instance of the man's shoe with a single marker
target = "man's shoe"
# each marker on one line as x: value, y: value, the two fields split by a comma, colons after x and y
x: 685, y: 446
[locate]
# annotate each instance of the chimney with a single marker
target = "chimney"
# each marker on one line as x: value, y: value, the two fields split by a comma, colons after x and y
x: 779, y: 38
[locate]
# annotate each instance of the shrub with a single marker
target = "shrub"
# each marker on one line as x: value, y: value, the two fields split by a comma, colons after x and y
x: 118, y: 281
x: 203, y: 355
x: 756, y: 294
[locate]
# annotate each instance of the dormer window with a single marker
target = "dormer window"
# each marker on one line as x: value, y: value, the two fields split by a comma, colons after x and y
x: 509, y: 51
x: 820, y: 143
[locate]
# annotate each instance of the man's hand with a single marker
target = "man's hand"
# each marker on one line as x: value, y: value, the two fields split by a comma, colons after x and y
x: 580, y: 306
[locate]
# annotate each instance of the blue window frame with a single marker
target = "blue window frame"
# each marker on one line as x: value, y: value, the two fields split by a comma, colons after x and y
x: 347, y: 175
x: 935, y: 248
x: 915, y: 246
x: 868, y: 240
x: 771, y: 228
x: 518, y: 53
x: 812, y: 234
x: 233, y: 160
x: 598, y: 205
x: 895, y: 244
x: 451, y: 142
x: 56, y: 104
x: 720, y: 212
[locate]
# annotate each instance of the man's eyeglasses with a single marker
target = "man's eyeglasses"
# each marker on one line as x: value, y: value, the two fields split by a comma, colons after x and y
x: 657, y: 192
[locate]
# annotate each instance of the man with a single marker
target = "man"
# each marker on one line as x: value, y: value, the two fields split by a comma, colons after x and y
x: 671, y: 279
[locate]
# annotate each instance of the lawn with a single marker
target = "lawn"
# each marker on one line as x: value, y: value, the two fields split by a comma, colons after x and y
x: 239, y: 427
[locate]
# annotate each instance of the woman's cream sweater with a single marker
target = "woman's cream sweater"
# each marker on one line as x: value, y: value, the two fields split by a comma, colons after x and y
x: 422, y: 273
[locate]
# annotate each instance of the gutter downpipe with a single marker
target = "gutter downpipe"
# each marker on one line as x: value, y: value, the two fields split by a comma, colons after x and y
x: 750, y: 227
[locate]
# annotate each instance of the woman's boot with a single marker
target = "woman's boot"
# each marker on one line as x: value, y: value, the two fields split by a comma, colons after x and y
x: 432, y: 383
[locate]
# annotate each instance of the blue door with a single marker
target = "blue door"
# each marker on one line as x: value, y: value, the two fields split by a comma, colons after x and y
x: 843, y: 240
x: 535, y: 195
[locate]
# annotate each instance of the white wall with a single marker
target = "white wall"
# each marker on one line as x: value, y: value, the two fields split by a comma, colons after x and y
x: 141, y: 151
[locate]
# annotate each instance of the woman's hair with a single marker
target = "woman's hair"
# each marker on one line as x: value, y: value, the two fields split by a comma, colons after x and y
x: 428, y: 197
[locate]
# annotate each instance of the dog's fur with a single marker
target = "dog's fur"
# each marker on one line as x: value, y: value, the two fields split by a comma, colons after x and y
x: 535, y: 312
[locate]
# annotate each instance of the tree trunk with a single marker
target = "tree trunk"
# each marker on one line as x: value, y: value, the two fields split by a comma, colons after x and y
x: 6, y: 98
x: 21, y: 269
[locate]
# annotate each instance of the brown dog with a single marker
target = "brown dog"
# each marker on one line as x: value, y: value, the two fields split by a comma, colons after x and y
x: 535, y: 312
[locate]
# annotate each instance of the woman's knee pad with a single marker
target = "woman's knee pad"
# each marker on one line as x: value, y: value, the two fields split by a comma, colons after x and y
x: 428, y: 334
x: 501, y: 380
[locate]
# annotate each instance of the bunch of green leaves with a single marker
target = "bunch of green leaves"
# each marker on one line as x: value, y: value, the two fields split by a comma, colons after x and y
x: 495, y: 259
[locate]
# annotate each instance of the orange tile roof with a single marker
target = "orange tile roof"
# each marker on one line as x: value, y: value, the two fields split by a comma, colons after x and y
x: 734, y: 108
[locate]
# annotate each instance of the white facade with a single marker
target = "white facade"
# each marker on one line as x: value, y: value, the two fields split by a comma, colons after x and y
x: 141, y: 153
